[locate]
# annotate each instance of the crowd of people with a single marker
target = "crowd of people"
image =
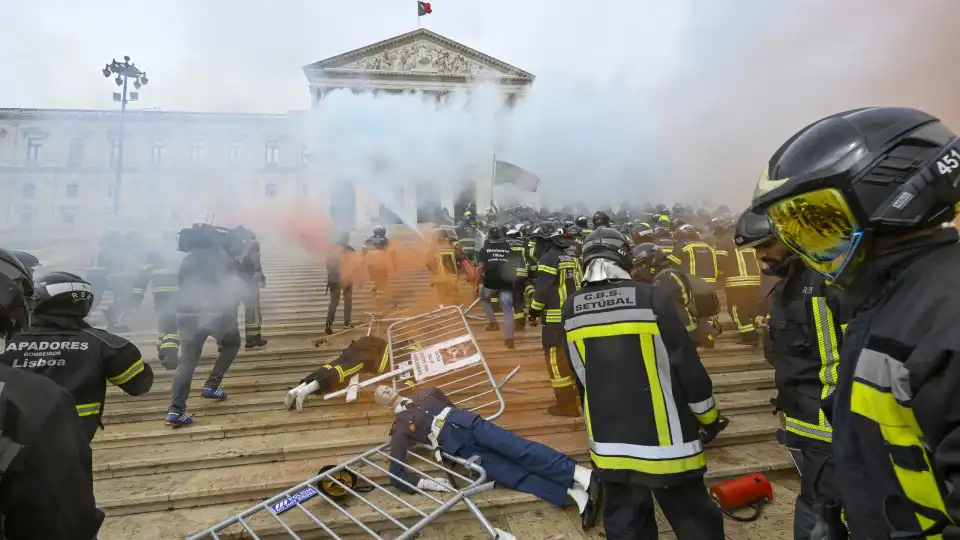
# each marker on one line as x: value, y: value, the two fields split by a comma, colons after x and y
x: 849, y: 222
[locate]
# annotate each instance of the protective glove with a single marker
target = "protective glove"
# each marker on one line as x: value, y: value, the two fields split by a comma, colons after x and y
x: 709, y: 432
x: 533, y: 317
x: 434, y: 484
x: 761, y: 321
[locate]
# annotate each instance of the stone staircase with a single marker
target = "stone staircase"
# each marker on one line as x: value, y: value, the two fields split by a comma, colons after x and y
x: 157, y: 482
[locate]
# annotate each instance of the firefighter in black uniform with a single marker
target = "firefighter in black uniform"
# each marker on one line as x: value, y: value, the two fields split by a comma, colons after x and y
x: 467, y: 236
x: 692, y: 255
x: 114, y: 271
x: 46, y: 484
x: 740, y: 273
x: 380, y: 258
x: 695, y: 300
x: 159, y: 272
x: 860, y: 197
x: 246, y: 249
x: 518, y: 261
x: 497, y: 279
x: 600, y: 219
x: 558, y: 277
x: 584, y: 225
x: 340, y: 267
x: 802, y: 342
x: 626, y: 342
x: 210, y: 292
x: 60, y: 345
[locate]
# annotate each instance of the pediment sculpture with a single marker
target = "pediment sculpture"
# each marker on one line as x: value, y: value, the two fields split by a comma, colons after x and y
x: 420, y: 56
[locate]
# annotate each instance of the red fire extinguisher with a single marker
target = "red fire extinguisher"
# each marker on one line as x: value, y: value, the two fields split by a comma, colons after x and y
x: 752, y: 490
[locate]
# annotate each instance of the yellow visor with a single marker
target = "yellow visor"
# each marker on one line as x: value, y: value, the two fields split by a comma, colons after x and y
x: 819, y: 227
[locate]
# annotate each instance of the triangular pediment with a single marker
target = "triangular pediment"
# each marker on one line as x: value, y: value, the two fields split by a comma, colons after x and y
x: 419, y: 52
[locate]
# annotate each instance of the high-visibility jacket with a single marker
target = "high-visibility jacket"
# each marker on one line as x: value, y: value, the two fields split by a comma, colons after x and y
x: 444, y: 260
x: 696, y: 258
x: 518, y: 258
x: 646, y: 390
x: 737, y: 266
x: 558, y: 277
x: 896, y: 439
x: 803, y: 344
x: 159, y: 271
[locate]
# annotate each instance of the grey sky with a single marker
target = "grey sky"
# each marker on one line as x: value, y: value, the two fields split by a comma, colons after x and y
x: 636, y: 94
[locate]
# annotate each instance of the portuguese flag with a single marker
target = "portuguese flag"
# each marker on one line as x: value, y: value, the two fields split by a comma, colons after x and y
x: 423, y: 8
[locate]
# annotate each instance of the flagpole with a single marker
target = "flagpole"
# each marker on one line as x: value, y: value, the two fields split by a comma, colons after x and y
x: 493, y: 179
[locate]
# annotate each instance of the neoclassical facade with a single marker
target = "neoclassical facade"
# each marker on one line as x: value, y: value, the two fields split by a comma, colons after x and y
x: 58, y: 168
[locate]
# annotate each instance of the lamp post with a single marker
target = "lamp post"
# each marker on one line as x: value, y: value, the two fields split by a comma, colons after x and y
x: 124, y: 72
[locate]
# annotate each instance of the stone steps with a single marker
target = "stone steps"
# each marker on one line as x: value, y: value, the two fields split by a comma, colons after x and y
x: 158, y: 482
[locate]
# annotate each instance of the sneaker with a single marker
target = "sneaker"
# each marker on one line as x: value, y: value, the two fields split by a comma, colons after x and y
x: 347, y: 326
x: 259, y: 342
x: 177, y: 420
x: 216, y: 393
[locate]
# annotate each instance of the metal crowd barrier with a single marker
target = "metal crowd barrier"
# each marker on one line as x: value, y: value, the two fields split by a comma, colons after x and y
x: 435, y: 349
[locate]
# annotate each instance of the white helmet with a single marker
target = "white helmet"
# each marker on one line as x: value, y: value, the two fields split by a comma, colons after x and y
x: 385, y: 395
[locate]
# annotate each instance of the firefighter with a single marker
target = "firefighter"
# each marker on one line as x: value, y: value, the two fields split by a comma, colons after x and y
x: 46, y: 483
x: 210, y: 292
x: 443, y: 261
x: 60, y: 345
x: 695, y: 299
x: 641, y: 233
x: 600, y: 219
x: 517, y: 260
x: 467, y: 237
x: 114, y: 271
x: 497, y: 278
x: 558, y: 277
x: 247, y: 252
x: 801, y: 341
x: 159, y: 271
x: 627, y: 341
x: 860, y: 197
x: 692, y: 255
x: 368, y: 354
x: 470, y: 215
x: 380, y: 258
x: 428, y: 417
x: 584, y: 225
x: 740, y: 273
x: 340, y: 268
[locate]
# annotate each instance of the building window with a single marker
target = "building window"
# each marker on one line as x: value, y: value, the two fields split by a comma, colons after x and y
x: 33, y: 149
x: 273, y: 153
x: 114, y: 152
x: 73, y: 190
x: 76, y: 151
x: 28, y: 190
x: 159, y: 154
x: 270, y: 190
x: 68, y: 216
x: 233, y: 155
x: 196, y: 154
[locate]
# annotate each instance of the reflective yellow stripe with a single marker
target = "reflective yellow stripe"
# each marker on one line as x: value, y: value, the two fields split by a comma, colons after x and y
x: 547, y: 269
x: 656, y: 391
x: 899, y: 427
x: 683, y: 288
x: 130, y: 373
x: 609, y: 330
x: 741, y: 264
x: 673, y: 259
x: 829, y: 351
x: 88, y: 409
x: 665, y: 466
x: 808, y: 430
x: 351, y: 371
x: 742, y: 281
x: 384, y: 360
x: 742, y: 328
x: 536, y: 304
x: 555, y: 379
x: 708, y: 417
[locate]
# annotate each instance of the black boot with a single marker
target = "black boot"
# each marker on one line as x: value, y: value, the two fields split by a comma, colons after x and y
x: 259, y: 341
x: 588, y: 518
x: 328, y: 330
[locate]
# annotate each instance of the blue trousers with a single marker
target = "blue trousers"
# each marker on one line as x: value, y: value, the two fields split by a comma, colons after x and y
x: 506, y: 304
x: 509, y: 460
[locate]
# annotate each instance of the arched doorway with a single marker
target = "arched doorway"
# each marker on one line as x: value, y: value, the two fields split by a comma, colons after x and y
x: 343, y: 205
x: 428, y: 203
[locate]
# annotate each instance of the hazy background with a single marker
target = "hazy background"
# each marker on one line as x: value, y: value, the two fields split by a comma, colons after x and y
x: 634, y: 99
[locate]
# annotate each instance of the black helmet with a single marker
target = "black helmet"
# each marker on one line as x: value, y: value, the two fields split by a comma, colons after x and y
x: 607, y: 243
x: 16, y: 295
x: 678, y: 210
x: 686, y: 233
x: 648, y: 261
x: 495, y: 233
x: 601, y: 219
x: 28, y: 260
x: 752, y: 229
x: 641, y: 232
x: 847, y: 178
x: 380, y: 231
x: 63, y: 293
x: 720, y: 226
x: 545, y: 230
x: 660, y: 233
x: 582, y: 222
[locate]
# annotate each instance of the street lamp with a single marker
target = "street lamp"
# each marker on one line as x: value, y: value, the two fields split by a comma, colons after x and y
x: 125, y: 72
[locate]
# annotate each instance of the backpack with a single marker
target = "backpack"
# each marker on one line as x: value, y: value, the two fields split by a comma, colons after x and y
x: 704, y: 302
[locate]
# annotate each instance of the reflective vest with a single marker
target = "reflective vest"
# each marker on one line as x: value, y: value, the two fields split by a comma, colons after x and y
x: 738, y: 266
x: 643, y: 408
x: 558, y: 276
x: 697, y: 259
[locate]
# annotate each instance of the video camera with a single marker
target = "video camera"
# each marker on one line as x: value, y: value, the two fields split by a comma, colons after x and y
x: 201, y: 236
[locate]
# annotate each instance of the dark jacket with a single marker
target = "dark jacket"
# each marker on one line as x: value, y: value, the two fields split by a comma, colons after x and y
x: 413, y: 426
x: 335, y: 264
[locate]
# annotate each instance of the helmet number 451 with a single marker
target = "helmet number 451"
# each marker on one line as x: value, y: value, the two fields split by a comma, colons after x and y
x: 949, y: 162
